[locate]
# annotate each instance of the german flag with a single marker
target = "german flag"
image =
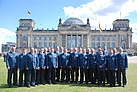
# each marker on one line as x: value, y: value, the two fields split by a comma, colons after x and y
x: 100, y: 28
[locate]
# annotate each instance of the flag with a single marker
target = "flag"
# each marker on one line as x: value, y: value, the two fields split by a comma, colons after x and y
x: 53, y: 41
x: 29, y: 13
x: 100, y: 28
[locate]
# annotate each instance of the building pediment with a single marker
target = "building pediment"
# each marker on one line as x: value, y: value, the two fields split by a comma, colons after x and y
x: 75, y: 28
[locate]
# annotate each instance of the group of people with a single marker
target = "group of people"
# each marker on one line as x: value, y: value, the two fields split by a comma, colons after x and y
x: 76, y: 65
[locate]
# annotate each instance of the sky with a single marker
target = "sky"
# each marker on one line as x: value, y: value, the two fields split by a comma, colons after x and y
x: 48, y: 12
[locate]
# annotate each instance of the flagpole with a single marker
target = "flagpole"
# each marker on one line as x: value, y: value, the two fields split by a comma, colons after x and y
x: 99, y: 38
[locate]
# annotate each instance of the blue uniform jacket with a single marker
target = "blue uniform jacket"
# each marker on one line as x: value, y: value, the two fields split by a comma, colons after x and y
x: 64, y: 58
x: 11, y: 60
x: 111, y: 62
x: 83, y: 61
x: 73, y: 59
x: 58, y: 55
x: 92, y: 61
x: 42, y: 63
x: 32, y: 61
x: 21, y: 61
x: 101, y: 61
x: 122, y: 61
x: 52, y: 60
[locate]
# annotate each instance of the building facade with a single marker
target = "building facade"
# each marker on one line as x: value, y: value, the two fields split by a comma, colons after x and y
x: 73, y: 33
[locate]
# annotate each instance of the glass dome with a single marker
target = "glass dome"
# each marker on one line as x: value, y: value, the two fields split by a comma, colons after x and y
x: 71, y: 21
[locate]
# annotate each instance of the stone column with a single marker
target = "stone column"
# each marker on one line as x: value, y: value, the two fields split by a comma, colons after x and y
x: 70, y: 41
x: 77, y: 41
x: 66, y: 40
x: 82, y: 40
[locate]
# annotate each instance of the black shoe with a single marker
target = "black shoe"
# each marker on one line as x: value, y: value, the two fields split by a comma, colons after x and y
x: 9, y: 86
x: 15, y: 84
x: 20, y: 86
x: 119, y: 85
x: 76, y: 82
x: 43, y: 83
x: 124, y: 85
x: 28, y: 86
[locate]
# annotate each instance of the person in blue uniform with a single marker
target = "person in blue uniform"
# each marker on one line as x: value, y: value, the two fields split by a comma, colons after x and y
x: 101, y: 67
x: 32, y: 63
x: 74, y: 65
x: 98, y: 51
x: 64, y: 58
x: 92, y: 67
x: 11, y: 64
x: 122, y: 66
x: 83, y: 65
x: 58, y: 51
x: 42, y: 66
x: 111, y: 67
x: 116, y: 72
x: 22, y: 68
x: 52, y: 64
x: 46, y: 70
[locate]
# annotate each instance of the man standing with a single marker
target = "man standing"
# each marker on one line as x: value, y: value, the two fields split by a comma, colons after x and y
x: 92, y: 67
x: 101, y: 67
x: 84, y: 65
x: 74, y: 65
x: 21, y: 67
x: 52, y: 64
x: 64, y: 58
x: 42, y: 66
x: 111, y: 67
x: 122, y: 66
x: 11, y: 64
x: 32, y: 63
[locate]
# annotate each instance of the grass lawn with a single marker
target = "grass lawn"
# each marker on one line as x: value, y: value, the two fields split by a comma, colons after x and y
x: 63, y: 87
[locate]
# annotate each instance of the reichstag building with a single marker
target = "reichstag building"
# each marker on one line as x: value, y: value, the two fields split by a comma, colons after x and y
x: 73, y: 33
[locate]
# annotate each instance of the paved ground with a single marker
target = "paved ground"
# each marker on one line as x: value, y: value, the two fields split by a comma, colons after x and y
x: 132, y: 59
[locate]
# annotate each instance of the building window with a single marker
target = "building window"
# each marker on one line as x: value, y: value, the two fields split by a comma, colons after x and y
x: 45, y: 44
x: 73, y: 41
x: 113, y: 38
x: 24, y: 45
x: 92, y: 38
x: 50, y: 38
x: 25, y: 38
x: 123, y: 38
x: 102, y: 44
x: 40, y: 44
x: 34, y: 38
x: 93, y: 45
x: 68, y: 41
x: 113, y: 44
x: 40, y: 38
x: 97, y: 44
x: 79, y: 41
x: 98, y: 38
x: 55, y: 38
x: 108, y: 45
x: 35, y: 45
x: 108, y: 38
x: 50, y: 44
x: 123, y: 45
x: 45, y: 38
x: 103, y: 38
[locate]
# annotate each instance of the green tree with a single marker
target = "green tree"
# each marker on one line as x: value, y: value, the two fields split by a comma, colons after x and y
x: 135, y: 48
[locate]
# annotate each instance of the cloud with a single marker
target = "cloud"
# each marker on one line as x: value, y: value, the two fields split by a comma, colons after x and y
x: 6, y: 36
x: 103, y: 11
